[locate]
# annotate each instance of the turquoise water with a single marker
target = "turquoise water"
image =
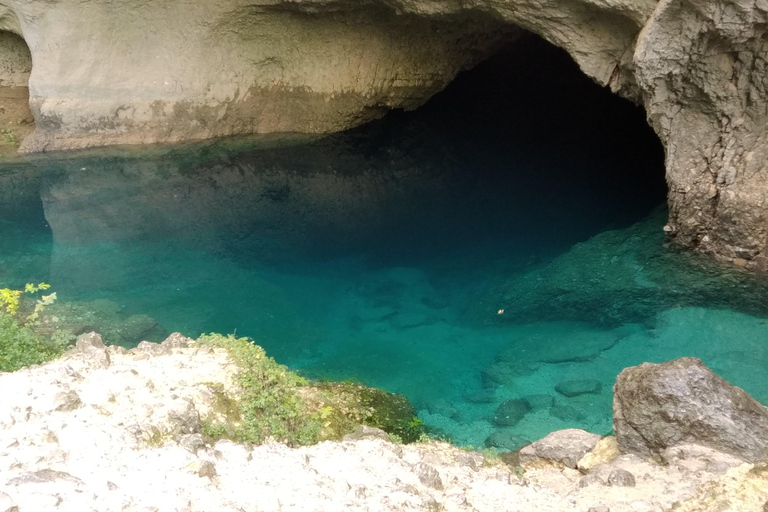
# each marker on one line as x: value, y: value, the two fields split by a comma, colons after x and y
x: 478, y: 250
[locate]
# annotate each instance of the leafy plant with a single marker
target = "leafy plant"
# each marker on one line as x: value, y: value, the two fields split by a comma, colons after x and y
x: 10, y: 300
x: 269, y: 403
x: 20, y: 344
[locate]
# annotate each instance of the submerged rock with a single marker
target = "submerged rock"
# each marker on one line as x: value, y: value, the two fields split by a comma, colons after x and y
x: 484, y: 396
x: 657, y: 406
x: 571, y: 388
x: 510, y: 412
x: 538, y: 402
x: 620, y: 277
x: 566, y: 413
x: 506, y: 440
x: 443, y: 407
x: 561, y: 342
x: 499, y: 374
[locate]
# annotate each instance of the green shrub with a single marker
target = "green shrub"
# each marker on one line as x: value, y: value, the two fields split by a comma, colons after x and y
x: 268, y: 399
x: 273, y: 401
x: 21, y: 346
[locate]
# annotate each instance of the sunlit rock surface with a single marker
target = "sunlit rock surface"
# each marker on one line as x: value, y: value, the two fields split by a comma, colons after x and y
x: 108, y: 430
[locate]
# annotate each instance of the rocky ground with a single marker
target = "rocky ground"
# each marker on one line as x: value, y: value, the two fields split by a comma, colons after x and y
x: 105, y: 429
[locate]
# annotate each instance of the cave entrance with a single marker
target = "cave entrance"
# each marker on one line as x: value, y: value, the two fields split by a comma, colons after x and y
x: 554, y: 157
x: 16, y: 121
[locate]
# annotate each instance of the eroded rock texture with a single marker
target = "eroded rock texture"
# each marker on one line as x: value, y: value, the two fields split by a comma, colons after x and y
x: 108, y: 73
x: 658, y: 406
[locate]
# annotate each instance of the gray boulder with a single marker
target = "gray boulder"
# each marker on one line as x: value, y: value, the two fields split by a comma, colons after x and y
x: 656, y: 406
x: 565, y: 446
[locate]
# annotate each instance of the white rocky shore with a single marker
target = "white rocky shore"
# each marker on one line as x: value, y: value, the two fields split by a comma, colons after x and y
x: 109, y: 430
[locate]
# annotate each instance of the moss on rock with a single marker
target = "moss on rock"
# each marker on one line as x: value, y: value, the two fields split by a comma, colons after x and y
x: 272, y: 401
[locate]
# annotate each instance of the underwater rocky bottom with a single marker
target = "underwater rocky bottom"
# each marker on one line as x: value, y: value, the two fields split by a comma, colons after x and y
x: 495, y: 346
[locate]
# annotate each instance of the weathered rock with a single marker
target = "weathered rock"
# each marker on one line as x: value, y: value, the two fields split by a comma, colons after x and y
x: 599, y: 508
x: 741, y: 488
x: 711, y: 460
x: 604, y: 452
x: 192, y: 442
x: 184, y: 420
x: 621, y: 478
x: 366, y: 432
x: 92, y: 348
x: 177, y: 340
x: 44, y: 476
x: 88, y: 460
x: 564, y: 446
x: 85, y: 342
x: 207, y: 470
x: 67, y: 401
x: 428, y: 476
x: 153, y: 349
x: 657, y: 406
x: 506, y: 440
x: 510, y: 412
x: 116, y: 350
x: 571, y: 388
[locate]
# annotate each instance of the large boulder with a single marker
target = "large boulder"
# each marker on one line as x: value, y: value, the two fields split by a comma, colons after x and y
x: 657, y: 406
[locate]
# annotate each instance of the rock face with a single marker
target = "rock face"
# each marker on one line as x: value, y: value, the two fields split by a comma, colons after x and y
x: 657, y: 406
x: 213, y: 68
x: 169, y: 72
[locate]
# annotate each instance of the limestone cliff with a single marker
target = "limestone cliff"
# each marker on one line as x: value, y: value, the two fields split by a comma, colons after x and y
x: 107, y: 73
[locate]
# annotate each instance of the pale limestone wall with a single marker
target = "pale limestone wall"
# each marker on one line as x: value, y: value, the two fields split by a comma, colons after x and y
x: 110, y: 72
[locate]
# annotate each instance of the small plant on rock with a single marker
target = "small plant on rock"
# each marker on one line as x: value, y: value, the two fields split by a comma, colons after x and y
x: 20, y: 344
x: 272, y: 401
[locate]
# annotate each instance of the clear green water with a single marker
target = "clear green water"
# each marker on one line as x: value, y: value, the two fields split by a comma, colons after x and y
x: 387, y: 254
